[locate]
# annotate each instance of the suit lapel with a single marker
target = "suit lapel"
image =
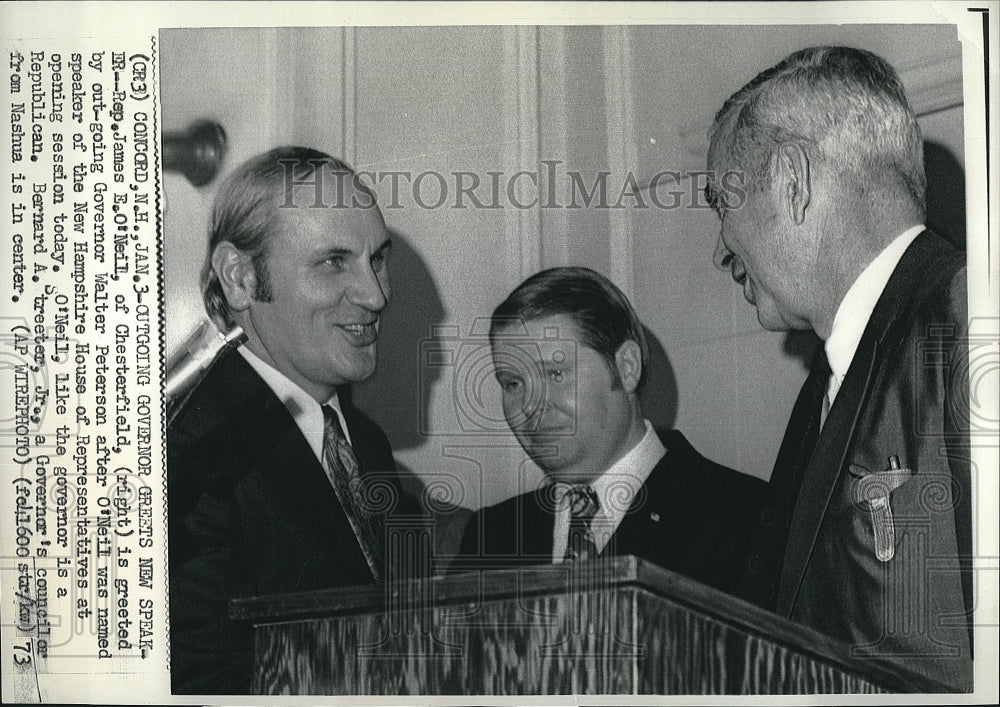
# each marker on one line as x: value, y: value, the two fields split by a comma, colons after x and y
x: 360, y: 443
x: 836, y: 438
x: 653, y: 517
x: 534, y: 526
x: 274, y: 447
x: 641, y: 529
x: 298, y: 478
x: 823, y: 471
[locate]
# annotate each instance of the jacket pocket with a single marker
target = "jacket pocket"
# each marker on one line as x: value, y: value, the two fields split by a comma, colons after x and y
x: 871, y: 494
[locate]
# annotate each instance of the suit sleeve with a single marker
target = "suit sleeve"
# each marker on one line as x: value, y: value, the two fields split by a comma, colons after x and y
x: 470, y: 545
x: 734, y: 501
x: 956, y: 424
x: 209, y: 653
x: 720, y: 509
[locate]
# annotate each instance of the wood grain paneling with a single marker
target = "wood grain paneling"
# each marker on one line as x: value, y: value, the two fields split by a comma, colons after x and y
x: 610, y: 627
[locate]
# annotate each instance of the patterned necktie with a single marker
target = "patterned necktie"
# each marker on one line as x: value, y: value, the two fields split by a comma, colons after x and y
x: 827, y: 401
x: 583, y: 506
x: 345, y: 476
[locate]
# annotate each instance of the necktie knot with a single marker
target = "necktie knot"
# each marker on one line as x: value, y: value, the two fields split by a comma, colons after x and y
x: 583, y: 503
x: 332, y: 432
x: 583, y: 507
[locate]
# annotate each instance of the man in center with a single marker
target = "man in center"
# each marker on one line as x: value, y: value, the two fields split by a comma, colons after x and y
x: 569, y: 353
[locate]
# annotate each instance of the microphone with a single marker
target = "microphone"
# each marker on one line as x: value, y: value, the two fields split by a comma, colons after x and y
x: 194, y: 359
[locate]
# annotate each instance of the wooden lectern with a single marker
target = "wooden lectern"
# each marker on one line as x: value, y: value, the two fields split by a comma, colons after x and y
x: 615, y: 626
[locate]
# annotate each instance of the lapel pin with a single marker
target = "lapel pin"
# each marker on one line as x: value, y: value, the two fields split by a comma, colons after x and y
x: 655, y: 517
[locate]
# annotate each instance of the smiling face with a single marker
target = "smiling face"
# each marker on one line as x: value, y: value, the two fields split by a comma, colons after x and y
x: 328, y: 279
x: 756, y: 246
x: 570, y: 414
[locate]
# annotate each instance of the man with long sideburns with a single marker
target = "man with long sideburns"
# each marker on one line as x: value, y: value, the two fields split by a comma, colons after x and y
x: 865, y: 533
x: 276, y: 483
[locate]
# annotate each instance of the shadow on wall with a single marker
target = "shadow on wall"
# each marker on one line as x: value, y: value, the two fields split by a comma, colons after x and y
x: 393, y: 395
x: 658, y: 392
x: 945, y: 193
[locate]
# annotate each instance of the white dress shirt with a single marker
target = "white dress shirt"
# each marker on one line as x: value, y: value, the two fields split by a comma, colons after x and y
x: 856, y: 309
x: 616, y: 489
x: 307, y: 413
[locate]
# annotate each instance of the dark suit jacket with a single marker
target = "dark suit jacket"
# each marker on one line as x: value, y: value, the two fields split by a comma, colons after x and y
x: 905, y: 395
x: 691, y: 516
x: 251, y: 512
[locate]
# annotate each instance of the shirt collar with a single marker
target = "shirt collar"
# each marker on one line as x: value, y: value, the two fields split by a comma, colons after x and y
x: 307, y: 413
x: 858, y: 304
x: 616, y: 489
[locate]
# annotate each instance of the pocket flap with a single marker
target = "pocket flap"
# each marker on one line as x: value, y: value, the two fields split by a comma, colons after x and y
x: 871, y: 485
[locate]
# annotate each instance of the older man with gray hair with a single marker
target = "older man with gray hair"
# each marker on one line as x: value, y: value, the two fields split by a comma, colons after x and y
x: 865, y: 533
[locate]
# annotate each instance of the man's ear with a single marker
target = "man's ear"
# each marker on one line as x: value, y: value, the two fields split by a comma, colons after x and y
x: 628, y: 361
x: 236, y: 275
x: 794, y: 177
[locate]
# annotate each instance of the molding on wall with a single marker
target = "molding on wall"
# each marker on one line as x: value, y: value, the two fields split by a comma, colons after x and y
x: 519, y: 78
x: 553, y: 139
x: 621, y: 149
x: 274, y: 83
x: 932, y: 83
x: 311, y: 110
x: 349, y: 84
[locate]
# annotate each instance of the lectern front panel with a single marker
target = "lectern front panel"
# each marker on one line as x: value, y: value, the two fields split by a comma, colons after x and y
x: 610, y: 627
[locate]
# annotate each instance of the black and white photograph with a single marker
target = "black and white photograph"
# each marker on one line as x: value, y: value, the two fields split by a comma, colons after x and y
x: 583, y: 352
x: 501, y: 251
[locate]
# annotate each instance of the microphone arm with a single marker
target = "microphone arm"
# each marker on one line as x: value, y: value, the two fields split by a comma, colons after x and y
x: 195, y: 358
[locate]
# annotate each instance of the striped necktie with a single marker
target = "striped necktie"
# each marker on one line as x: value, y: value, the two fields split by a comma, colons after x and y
x: 583, y: 507
x: 345, y: 475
